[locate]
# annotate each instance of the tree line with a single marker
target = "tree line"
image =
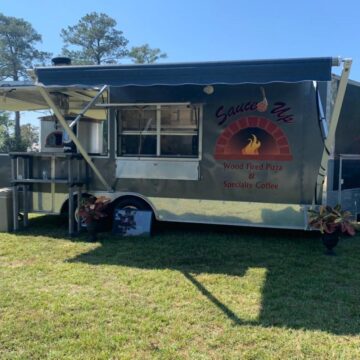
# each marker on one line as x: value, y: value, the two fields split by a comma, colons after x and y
x: 94, y: 40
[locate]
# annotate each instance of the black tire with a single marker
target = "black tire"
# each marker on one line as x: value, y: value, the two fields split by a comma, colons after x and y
x: 131, y: 202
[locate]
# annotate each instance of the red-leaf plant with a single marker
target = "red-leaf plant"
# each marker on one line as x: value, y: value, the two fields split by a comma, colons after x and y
x: 93, y: 209
x: 329, y: 219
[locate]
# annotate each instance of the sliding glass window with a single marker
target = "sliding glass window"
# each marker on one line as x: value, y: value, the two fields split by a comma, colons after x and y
x: 159, y: 131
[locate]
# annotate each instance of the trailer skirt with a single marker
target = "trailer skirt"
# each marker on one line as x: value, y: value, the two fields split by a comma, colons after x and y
x: 255, y: 214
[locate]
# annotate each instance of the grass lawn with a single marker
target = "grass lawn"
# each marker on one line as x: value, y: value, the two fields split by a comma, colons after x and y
x: 190, y: 292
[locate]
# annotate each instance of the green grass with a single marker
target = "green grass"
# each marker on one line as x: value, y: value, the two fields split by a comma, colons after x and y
x: 190, y: 292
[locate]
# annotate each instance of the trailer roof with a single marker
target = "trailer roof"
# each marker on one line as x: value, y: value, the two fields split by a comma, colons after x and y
x: 204, y: 73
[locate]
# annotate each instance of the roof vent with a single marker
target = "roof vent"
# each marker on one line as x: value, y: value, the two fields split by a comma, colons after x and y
x: 61, y: 61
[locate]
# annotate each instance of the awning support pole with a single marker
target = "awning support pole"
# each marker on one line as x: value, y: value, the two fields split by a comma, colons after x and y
x: 71, y: 134
x: 330, y: 140
x: 88, y: 106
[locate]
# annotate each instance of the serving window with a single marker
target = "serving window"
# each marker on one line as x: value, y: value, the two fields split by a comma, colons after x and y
x: 169, y: 131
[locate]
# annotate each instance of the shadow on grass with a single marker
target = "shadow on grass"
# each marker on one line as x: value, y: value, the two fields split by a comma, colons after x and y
x: 53, y: 226
x: 303, y: 288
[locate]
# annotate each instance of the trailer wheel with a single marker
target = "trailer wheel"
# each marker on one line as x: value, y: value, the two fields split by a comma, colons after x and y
x: 131, y: 203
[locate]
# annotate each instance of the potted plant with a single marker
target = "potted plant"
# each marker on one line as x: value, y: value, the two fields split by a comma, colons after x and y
x: 91, y: 211
x: 332, y: 222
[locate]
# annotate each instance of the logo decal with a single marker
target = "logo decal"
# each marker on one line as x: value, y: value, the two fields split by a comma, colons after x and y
x: 253, y: 138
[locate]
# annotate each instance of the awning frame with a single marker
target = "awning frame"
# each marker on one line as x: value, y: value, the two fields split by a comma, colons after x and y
x: 44, y: 92
x: 329, y: 142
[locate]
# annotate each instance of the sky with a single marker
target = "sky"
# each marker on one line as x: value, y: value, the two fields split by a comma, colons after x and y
x: 210, y: 30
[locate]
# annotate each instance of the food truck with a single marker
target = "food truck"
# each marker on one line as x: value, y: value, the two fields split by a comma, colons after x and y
x: 249, y: 143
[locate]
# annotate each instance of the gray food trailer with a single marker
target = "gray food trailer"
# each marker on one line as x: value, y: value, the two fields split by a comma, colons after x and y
x: 241, y: 142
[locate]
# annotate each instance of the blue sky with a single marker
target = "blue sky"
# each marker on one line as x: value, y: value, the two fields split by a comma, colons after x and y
x: 211, y: 30
x: 203, y: 30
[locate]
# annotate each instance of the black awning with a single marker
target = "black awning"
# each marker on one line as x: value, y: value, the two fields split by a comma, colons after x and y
x: 226, y: 72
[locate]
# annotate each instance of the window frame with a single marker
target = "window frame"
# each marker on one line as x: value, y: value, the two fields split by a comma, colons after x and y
x: 158, y: 132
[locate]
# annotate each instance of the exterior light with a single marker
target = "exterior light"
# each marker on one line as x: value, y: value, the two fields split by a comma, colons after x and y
x: 208, y: 89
